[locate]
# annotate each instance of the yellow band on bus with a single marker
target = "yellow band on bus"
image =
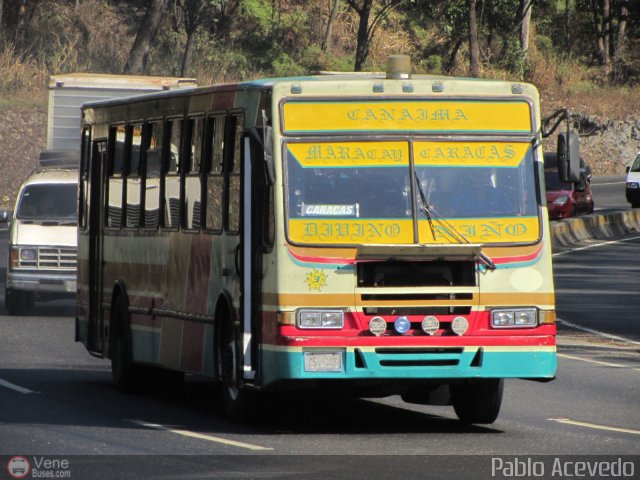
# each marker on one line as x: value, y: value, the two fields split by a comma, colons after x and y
x: 350, y: 231
x: 400, y: 231
x: 470, y: 154
x: 482, y: 230
x: 416, y: 116
x: 350, y: 154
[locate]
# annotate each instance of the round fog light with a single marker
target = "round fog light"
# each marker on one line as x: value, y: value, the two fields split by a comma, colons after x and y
x: 377, y: 326
x: 402, y: 325
x: 430, y: 325
x: 459, y: 325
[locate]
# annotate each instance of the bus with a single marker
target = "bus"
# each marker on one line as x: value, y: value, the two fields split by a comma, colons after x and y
x: 377, y: 234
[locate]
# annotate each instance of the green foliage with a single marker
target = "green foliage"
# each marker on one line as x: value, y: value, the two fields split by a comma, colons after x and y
x: 240, y: 39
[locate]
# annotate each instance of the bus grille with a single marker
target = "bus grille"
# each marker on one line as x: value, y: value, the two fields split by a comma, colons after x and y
x: 51, y: 258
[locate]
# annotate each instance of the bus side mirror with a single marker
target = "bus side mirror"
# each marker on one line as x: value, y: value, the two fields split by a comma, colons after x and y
x: 4, y: 216
x: 628, y: 169
x: 569, y: 157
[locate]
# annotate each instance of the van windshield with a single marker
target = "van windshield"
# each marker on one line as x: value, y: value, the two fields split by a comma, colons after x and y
x: 48, y: 202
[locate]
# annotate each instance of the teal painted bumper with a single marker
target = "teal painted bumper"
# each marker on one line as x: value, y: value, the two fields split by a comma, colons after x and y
x: 362, y: 364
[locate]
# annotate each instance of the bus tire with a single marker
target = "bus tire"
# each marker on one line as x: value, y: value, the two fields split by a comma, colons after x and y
x: 125, y: 375
x: 478, y: 401
x: 239, y: 403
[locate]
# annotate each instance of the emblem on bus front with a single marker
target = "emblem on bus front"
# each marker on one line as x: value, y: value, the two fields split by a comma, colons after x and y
x: 316, y: 279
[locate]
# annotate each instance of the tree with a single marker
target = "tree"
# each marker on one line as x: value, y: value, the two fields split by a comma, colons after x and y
x: 146, y: 33
x: 524, y: 22
x: 332, y: 18
x: 366, y: 30
x: 602, y: 20
x: 474, y: 48
x: 192, y: 13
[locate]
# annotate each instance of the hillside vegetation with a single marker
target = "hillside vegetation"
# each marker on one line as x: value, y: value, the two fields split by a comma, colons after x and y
x: 581, y: 54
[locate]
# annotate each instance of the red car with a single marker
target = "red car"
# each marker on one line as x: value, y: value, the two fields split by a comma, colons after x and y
x: 566, y: 200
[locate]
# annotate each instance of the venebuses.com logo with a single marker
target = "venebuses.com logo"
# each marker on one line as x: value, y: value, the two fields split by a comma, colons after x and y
x: 38, y: 467
x: 18, y: 467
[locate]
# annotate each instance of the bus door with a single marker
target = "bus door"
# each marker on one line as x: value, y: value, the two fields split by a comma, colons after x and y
x: 95, y: 224
x: 257, y: 236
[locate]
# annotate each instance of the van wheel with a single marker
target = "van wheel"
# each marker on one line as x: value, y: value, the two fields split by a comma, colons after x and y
x: 126, y: 376
x: 17, y: 302
x: 239, y: 403
x: 478, y: 401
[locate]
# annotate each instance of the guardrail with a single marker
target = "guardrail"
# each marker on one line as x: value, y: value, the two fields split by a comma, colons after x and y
x: 595, y: 226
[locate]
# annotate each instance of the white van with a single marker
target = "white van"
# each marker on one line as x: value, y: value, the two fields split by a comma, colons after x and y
x: 633, y: 183
x: 43, y: 240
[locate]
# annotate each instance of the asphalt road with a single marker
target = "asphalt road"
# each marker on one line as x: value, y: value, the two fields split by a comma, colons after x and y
x: 609, y: 193
x: 57, y: 402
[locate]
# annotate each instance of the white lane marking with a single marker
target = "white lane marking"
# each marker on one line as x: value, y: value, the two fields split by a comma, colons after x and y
x: 597, y: 362
x: 608, y: 183
x: 13, y: 386
x: 611, y: 242
x: 597, y: 332
x: 596, y: 426
x: 200, y: 436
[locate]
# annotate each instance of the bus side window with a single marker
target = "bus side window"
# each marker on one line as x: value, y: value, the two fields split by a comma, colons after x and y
x: 153, y: 157
x: 115, y: 173
x: 214, y: 139
x: 192, y: 184
x: 236, y: 129
x: 134, y: 184
x: 172, y: 176
x: 83, y: 194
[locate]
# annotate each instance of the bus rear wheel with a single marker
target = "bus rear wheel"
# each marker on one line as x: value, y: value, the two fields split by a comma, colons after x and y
x: 125, y: 375
x: 478, y: 401
x: 239, y: 402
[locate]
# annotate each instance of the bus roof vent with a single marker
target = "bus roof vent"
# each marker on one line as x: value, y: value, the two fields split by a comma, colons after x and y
x: 399, y: 67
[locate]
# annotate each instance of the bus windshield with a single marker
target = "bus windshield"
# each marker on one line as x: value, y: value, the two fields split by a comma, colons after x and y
x: 345, y: 197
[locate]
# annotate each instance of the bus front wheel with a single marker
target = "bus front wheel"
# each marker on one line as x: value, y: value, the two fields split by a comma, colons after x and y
x: 478, y: 401
x: 238, y: 402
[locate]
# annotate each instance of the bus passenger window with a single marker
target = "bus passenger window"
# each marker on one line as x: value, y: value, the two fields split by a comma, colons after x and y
x: 192, y: 184
x: 153, y: 157
x: 233, y: 205
x: 172, y: 178
x: 133, y: 192
x: 215, y: 183
x: 116, y: 173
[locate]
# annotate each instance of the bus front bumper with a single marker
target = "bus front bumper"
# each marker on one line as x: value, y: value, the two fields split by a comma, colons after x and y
x: 282, y: 363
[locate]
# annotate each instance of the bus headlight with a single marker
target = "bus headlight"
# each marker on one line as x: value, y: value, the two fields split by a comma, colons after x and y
x: 430, y: 325
x: 377, y: 326
x: 514, y: 318
x: 329, y: 319
x: 460, y: 325
x: 402, y: 325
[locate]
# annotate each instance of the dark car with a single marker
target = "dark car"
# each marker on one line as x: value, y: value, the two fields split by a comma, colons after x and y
x: 566, y: 200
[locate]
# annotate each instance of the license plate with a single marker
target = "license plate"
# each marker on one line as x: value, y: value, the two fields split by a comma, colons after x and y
x: 323, y: 361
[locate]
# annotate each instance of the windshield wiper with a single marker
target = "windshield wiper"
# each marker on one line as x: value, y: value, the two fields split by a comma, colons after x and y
x: 452, y: 232
x: 424, y: 206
